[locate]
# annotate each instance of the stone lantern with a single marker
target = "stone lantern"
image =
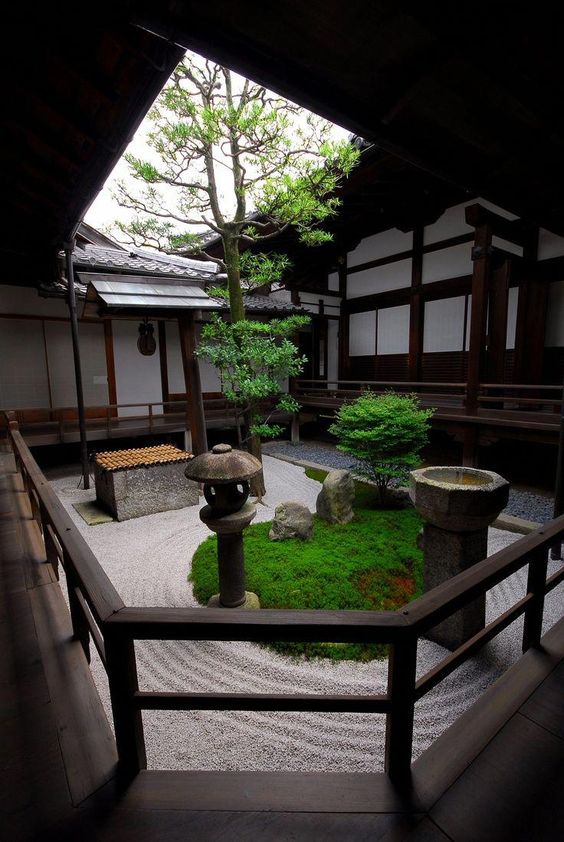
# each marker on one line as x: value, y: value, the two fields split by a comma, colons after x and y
x: 458, y: 505
x: 225, y: 474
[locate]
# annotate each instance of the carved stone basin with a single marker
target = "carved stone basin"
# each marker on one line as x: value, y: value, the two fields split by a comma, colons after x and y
x: 458, y: 499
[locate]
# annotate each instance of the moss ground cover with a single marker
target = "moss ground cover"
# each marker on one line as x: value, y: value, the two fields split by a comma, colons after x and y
x: 371, y: 563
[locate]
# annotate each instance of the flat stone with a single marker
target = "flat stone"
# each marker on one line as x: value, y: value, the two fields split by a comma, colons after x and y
x: 291, y: 520
x: 334, y: 502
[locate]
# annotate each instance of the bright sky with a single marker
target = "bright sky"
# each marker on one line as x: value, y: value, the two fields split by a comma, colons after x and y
x: 105, y: 209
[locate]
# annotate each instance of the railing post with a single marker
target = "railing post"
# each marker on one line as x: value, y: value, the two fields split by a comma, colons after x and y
x: 80, y: 629
x: 121, y: 668
x: 295, y: 428
x: 536, y: 585
x: 556, y: 550
x: 51, y: 550
x: 402, y: 665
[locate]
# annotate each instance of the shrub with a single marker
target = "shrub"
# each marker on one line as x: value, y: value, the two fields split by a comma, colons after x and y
x: 385, y: 433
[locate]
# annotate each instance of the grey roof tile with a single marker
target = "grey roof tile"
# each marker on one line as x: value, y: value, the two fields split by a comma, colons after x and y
x: 143, y: 262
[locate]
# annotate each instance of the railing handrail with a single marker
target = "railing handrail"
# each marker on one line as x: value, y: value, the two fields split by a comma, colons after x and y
x: 408, y: 383
x: 98, y: 590
x: 114, y: 628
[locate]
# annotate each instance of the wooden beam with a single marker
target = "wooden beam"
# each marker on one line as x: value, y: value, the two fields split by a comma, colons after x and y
x: 194, y: 401
x: 478, y: 216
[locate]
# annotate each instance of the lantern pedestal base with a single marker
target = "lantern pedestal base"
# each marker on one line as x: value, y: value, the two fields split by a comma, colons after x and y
x: 251, y: 602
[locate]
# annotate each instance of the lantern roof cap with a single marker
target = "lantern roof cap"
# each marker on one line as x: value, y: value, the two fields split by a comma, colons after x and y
x: 223, y: 465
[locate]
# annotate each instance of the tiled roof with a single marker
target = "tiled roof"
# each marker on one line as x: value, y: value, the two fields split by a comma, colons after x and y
x: 141, y: 457
x: 266, y: 304
x: 143, y: 262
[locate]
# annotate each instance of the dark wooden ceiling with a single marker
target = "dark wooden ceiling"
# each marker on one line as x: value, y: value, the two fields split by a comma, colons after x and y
x: 73, y: 93
x: 468, y: 95
x: 469, y: 92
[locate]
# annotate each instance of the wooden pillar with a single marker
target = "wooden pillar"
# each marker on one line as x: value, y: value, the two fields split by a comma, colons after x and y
x: 416, y: 308
x: 71, y: 300
x: 478, y: 318
x: 497, y: 323
x: 531, y: 317
x: 110, y: 364
x: 163, y: 361
x: 196, y: 421
x: 529, y: 335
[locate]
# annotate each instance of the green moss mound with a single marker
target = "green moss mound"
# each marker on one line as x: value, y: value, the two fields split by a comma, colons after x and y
x: 372, y: 563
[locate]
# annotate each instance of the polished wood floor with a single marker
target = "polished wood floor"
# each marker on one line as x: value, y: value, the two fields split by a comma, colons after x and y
x: 497, y: 774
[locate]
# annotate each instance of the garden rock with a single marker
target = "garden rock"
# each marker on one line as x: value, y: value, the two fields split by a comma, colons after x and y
x: 334, y: 502
x: 291, y: 520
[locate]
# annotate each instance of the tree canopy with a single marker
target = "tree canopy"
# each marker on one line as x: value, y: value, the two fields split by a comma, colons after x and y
x: 231, y: 160
x: 385, y: 433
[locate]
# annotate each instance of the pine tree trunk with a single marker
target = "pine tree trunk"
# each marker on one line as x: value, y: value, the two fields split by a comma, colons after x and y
x: 231, y: 254
x: 258, y: 488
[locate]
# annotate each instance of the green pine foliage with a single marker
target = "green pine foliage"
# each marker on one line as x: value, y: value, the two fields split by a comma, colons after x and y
x: 254, y: 359
x: 385, y: 432
x: 230, y: 159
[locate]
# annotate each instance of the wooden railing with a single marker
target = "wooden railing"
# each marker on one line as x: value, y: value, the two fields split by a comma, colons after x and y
x: 493, y: 400
x: 98, y: 612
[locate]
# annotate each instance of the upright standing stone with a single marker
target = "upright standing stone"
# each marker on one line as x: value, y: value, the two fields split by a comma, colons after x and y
x: 334, y: 502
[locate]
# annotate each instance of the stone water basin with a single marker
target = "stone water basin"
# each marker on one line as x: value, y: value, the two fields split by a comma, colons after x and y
x: 458, y: 499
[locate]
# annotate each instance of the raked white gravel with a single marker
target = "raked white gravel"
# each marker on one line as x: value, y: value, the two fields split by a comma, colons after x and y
x: 148, y: 560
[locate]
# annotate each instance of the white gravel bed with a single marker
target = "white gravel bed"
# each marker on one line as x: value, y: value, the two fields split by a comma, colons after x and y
x: 148, y: 560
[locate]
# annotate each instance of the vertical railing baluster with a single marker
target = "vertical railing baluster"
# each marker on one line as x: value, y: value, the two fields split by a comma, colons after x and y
x: 51, y: 549
x: 399, y: 722
x: 536, y: 585
x: 121, y: 668
x: 80, y: 629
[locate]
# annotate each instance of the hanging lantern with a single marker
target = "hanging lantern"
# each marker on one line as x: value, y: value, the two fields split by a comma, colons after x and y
x: 146, y: 340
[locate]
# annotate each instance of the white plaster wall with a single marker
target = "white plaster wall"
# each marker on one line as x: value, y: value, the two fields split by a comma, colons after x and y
x: 379, y: 279
x: 452, y: 222
x: 362, y: 334
x: 380, y: 245
x: 333, y: 281
x: 512, y: 299
x: 23, y: 369
x: 554, y: 336
x: 393, y: 330
x: 453, y: 262
x: 444, y: 324
x: 92, y: 361
x: 550, y: 245
x: 26, y: 301
x: 138, y: 378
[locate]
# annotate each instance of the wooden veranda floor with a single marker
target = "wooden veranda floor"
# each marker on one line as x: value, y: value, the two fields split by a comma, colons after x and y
x: 496, y: 774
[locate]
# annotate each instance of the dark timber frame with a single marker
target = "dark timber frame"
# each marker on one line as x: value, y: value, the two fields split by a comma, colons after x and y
x: 99, y: 614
